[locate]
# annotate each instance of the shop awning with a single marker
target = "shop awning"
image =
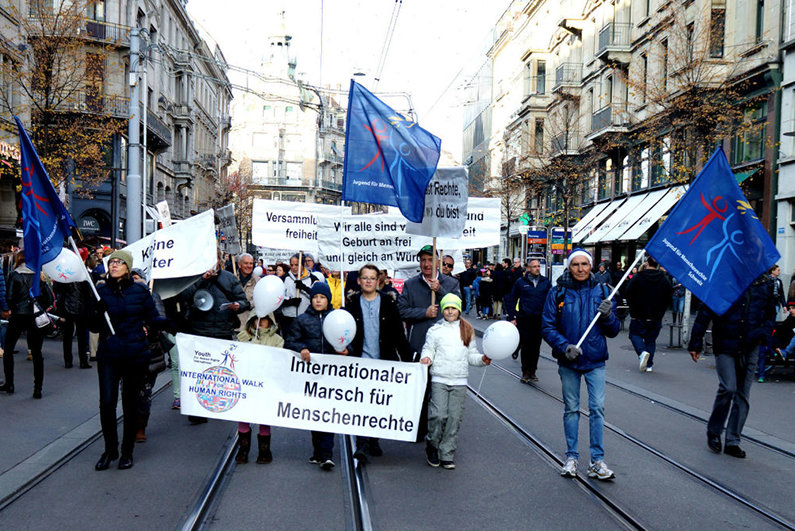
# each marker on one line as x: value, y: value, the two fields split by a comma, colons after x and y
x: 597, y: 220
x: 647, y: 202
x: 667, y: 201
x: 586, y: 219
x: 629, y: 206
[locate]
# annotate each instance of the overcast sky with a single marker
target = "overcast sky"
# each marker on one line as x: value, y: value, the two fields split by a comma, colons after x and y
x: 433, y: 40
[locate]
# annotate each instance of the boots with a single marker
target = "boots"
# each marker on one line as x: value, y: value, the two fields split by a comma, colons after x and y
x: 244, y: 445
x: 140, y: 435
x: 264, y: 443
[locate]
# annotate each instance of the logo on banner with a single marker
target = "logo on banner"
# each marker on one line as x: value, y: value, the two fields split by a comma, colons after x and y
x: 218, y: 388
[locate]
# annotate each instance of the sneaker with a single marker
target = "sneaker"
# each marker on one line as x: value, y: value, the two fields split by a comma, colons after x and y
x: 360, y: 455
x: 432, y: 456
x: 761, y: 379
x: 649, y: 369
x: 643, y: 360
x: 569, y: 470
x: 315, y: 460
x: 449, y: 465
x: 176, y: 404
x: 600, y: 471
x: 328, y: 464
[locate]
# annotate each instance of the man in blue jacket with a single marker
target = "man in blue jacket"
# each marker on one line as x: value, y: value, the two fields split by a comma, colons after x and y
x: 568, y: 310
x: 525, y: 305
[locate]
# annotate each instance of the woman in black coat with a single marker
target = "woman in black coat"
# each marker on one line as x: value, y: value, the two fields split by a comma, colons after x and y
x: 22, y: 319
x: 123, y: 356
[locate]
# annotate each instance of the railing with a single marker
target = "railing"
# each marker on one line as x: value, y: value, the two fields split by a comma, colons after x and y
x: 330, y: 185
x: 105, y: 32
x: 611, y: 115
x: 158, y: 127
x: 563, y: 143
x: 614, y: 35
x: 93, y: 103
x: 568, y: 74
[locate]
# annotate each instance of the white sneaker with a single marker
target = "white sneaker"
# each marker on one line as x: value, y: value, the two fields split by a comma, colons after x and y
x: 644, y: 360
x: 600, y: 471
x: 569, y: 470
x: 649, y: 369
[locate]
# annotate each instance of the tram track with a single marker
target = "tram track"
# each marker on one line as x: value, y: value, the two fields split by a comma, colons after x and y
x: 694, y: 474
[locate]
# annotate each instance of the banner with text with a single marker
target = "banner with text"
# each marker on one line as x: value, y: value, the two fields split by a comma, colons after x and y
x: 184, y: 249
x: 246, y: 382
x: 230, y: 242
x: 445, y: 204
x: 288, y: 224
x: 383, y: 239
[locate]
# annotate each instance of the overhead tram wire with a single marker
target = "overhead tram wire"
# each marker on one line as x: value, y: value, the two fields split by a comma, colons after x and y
x: 390, y: 32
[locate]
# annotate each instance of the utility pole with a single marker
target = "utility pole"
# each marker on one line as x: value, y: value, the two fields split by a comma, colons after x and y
x: 132, y: 226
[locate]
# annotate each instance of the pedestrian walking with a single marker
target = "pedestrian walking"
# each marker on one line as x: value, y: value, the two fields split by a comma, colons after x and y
x: 677, y: 301
x: 247, y: 279
x: 736, y: 338
x: 297, y: 284
x: 649, y: 295
x: 449, y: 349
x: 73, y: 301
x: 262, y: 331
x: 568, y: 310
x: 486, y: 294
x: 526, y: 304
x: 466, y: 278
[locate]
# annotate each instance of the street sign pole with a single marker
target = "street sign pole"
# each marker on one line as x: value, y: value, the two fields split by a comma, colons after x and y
x: 523, y: 232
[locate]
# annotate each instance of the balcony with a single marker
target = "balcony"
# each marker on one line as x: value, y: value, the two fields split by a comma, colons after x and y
x: 159, y: 135
x: 182, y: 114
x: 614, y: 43
x: 330, y: 185
x: 564, y: 144
x: 567, y: 75
x: 94, y: 103
x: 612, y: 118
x: 105, y: 32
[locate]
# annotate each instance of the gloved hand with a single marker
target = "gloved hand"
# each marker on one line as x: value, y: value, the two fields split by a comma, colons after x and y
x: 101, y: 306
x: 605, y: 307
x: 573, y: 352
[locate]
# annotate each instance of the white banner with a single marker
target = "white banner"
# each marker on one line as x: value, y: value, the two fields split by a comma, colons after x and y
x: 246, y: 382
x: 164, y: 213
x: 226, y: 221
x: 184, y: 249
x: 289, y: 225
x: 383, y: 240
x: 445, y: 204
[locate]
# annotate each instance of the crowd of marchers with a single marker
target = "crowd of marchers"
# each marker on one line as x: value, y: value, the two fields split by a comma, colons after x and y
x: 128, y: 332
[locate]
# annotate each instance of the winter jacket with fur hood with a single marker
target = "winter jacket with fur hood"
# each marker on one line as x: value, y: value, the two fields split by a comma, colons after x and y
x: 450, y: 359
x: 268, y: 337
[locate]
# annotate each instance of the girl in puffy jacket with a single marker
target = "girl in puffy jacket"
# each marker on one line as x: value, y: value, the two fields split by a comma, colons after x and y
x: 449, y: 350
x: 262, y: 331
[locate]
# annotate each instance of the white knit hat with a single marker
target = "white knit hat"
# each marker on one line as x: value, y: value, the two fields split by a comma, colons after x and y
x: 579, y: 251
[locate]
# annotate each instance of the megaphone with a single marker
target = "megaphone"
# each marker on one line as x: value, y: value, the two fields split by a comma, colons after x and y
x: 203, y: 300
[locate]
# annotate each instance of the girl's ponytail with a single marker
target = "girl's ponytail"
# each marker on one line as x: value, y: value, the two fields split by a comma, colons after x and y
x: 467, y: 332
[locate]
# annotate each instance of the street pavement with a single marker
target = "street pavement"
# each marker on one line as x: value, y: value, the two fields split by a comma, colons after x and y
x: 499, y: 482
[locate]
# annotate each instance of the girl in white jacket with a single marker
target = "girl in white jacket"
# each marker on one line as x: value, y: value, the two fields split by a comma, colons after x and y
x: 449, y: 349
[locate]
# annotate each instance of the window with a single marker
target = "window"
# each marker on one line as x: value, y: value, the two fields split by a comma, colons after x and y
x: 760, y: 20
x: 592, y: 103
x: 528, y: 78
x: 541, y: 77
x: 749, y: 145
x: 689, y: 51
x: 539, y: 136
x: 96, y: 10
x: 661, y: 165
x: 626, y: 174
x: 664, y: 66
x: 604, y: 182
x: 642, y: 171
x: 644, y: 76
x: 609, y: 90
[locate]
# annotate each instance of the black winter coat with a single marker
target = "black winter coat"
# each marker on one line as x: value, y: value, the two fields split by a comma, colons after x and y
x: 745, y: 325
x: 130, y: 307
x: 306, y: 332
x: 221, y: 324
x: 392, y: 342
x: 73, y: 299
x: 18, y: 294
x: 531, y: 298
x: 649, y: 295
x: 501, y: 287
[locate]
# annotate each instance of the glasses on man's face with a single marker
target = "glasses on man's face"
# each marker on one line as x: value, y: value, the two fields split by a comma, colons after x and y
x: 115, y: 262
x: 447, y: 265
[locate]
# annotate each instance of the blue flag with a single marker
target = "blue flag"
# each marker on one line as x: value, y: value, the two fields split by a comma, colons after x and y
x: 45, y: 221
x: 712, y: 241
x: 389, y: 160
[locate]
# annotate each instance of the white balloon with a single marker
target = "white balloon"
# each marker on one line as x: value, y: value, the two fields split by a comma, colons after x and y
x: 500, y: 340
x: 339, y: 327
x: 67, y: 267
x: 268, y: 295
x: 257, y: 271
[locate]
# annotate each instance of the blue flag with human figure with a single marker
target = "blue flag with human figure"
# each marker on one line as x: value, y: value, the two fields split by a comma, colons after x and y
x: 712, y: 241
x: 45, y: 221
x: 389, y: 159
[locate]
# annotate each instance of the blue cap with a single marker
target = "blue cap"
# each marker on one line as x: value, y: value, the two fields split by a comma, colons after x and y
x: 320, y: 288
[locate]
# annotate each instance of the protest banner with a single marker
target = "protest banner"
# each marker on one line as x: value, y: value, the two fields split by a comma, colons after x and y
x: 246, y: 382
x: 445, y: 205
x: 288, y: 224
x: 383, y: 239
x: 273, y: 256
x: 164, y: 214
x: 184, y: 249
x: 230, y: 242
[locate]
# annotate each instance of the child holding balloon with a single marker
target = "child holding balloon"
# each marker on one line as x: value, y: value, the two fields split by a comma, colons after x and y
x: 449, y: 349
x: 262, y: 331
x: 306, y: 336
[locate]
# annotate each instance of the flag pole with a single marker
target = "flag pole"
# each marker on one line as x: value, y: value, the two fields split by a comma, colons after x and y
x: 342, y: 258
x: 433, y: 293
x: 93, y: 287
x: 641, y: 254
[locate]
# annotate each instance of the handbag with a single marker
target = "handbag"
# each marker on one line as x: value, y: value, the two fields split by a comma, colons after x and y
x: 42, y: 318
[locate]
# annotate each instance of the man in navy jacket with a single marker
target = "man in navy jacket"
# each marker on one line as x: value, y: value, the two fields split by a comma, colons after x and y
x: 524, y: 308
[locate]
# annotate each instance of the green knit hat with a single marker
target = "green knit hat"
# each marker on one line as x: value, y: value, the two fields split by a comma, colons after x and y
x: 125, y: 257
x: 451, y: 299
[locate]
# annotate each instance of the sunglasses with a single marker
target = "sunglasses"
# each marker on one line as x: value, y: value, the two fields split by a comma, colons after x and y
x: 447, y: 265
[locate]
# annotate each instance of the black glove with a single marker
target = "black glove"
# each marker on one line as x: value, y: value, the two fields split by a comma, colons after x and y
x: 300, y: 286
x: 573, y: 352
x: 295, y: 301
x: 101, y: 306
x: 605, y: 307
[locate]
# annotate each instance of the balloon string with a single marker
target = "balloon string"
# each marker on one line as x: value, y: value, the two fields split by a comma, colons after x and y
x: 481, y: 379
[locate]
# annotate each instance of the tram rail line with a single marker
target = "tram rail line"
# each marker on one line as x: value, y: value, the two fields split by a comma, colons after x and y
x: 715, y: 485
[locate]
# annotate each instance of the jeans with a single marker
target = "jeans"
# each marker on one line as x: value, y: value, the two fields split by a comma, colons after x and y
x: 570, y: 383
x: 735, y: 375
x: 131, y: 375
x: 467, y: 298
x: 445, y: 413
x: 530, y: 341
x: 643, y: 336
x: 322, y: 445
x: 678, y: 304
